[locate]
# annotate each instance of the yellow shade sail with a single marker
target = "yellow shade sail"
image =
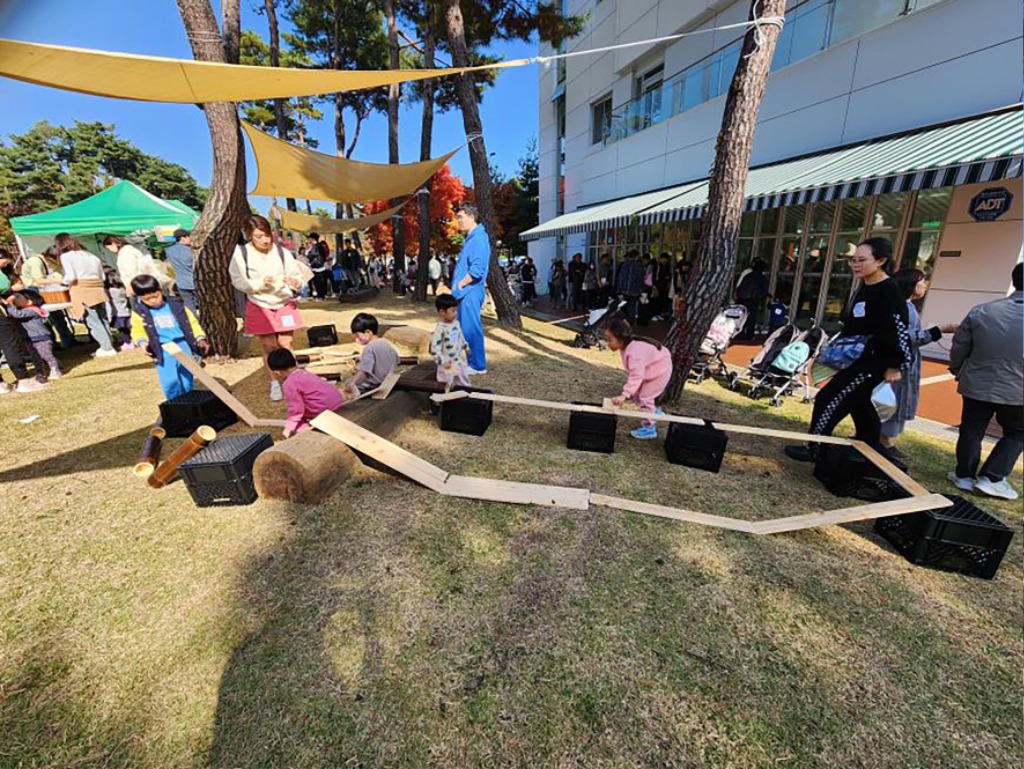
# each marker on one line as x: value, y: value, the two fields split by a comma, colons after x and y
x: 152, y: 78
x: 293, y: 220
x: 287, y: 171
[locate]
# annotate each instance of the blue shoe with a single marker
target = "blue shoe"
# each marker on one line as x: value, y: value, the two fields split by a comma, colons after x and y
x: 645, y: 432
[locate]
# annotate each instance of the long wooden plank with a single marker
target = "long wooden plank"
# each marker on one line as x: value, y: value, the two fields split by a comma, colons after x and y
x: 850, y: 514
x: 385, y: 388
x: 270, y: 423
x: 452, y: 395
x: 384, y: 451
x: 211, y: 384
x: 517, y: 493
x: 675, y: 513
x: 882, y: 463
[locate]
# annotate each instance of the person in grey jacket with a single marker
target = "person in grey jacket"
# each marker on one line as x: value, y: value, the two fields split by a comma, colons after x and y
x: 987, y: 360
x: 181, y: 259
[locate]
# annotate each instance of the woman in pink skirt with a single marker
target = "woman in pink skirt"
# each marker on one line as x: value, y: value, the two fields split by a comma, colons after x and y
x: 270, y: 277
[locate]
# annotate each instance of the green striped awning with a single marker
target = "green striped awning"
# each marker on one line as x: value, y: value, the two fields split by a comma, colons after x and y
x: 978, y: 149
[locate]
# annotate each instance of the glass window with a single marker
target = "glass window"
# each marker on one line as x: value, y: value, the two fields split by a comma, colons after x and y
x: 796, y: 217
x: 889, y: 210
x: 822, y: 215
x: 846, y: 244
x: 853, y: 214
x: 920, y: 250
x: 810, y: 283
x: 747, y: 223
x: 931, y: 208
x: 804, y: 33
x: 601, y: 123
x: 855, y: 17
x: 836, y: 295
x: 766, y: 249
x: 789, y: 257
x: 743, y: 254
x: 770, y: 221
x: 729, y: 58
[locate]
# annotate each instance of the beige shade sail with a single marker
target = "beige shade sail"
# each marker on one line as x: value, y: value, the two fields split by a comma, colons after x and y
x: 324, y: 225
x: 287, y: 171
x: 152, y: 78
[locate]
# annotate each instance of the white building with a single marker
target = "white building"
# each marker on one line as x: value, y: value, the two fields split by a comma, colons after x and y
x: 899, y: 118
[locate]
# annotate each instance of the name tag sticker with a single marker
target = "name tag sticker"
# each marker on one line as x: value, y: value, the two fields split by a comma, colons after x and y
x: 858, y: 310
x: 288, y: 321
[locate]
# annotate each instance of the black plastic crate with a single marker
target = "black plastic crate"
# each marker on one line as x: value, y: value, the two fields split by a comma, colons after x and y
x: 699, y: 446
x: 322, y: 336
x: 847, y: 473
x: 592, y: 432
x: 221, y: 474
x: 182, y: 415
x: 962, y: 538
x: 467, y: 415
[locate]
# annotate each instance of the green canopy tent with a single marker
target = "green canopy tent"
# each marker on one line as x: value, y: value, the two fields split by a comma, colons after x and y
x: 118, y: 210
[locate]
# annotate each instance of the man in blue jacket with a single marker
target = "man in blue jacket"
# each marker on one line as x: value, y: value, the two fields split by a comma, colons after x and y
x: 469, y: 281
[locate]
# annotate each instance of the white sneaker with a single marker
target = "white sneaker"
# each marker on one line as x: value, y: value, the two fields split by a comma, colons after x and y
x: 1001, y: 489
x: 964, y: 484
x: 4, y: 388
x: 474, y: 372
x: 104, y: 353
x: 275, y: 391
x: 29, y: 386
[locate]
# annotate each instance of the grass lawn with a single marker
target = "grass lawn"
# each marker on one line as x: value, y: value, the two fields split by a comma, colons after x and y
x: 391, y: 627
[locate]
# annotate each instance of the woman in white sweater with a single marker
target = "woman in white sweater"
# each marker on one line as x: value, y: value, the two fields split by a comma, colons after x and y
x: 270, y: 277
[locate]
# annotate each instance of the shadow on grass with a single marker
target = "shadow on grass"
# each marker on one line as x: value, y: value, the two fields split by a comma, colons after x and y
x: 120, y: 451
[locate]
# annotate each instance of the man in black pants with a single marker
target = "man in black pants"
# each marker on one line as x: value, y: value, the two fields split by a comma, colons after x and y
x: 10, y: 346
x: 986, y: 359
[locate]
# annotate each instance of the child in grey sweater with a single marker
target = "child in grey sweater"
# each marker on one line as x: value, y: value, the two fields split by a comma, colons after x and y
x: 36, y: 329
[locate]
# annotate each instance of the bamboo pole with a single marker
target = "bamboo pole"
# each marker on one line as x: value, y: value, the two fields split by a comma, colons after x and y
x: 168, y: 469
x: 149, y: 457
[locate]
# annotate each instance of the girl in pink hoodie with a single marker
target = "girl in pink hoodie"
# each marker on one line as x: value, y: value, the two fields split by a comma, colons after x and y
x: 650, y: 367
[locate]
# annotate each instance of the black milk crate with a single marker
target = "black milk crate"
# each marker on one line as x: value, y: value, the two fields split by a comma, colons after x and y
x: 699, y: 446
x: 467, y: 415
x: 592, y: 432
x: 182, y: 415
x: 847, y: 473
x: 322, y: 336
x: 962, y: 538
x: 221, y: 474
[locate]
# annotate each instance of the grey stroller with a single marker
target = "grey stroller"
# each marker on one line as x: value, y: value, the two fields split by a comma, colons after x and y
x: 784, y: 368
x: 726, y: 325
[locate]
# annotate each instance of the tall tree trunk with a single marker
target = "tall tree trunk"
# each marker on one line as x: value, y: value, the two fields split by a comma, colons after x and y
x: 275, y: 61
x: 339, y: 117
x: 394, y: 94
x: 711, y: 274
x: 426, y: 140
x: 232, y: 19
x: 216, y: 233
x: 504, y: 301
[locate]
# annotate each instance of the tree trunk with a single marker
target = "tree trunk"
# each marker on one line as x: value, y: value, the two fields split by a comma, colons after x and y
x: 504, y: 301
x: 216, y: 233
x: 232, y: 19
x: 426, y: 140
x: 339, y: 117
x: 275, y: 61
x: 711, y: 274
x: 394, y: 94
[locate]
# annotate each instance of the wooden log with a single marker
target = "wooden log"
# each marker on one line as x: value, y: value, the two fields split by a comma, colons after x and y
x: 149, y: 457
x: 167, y: 470
x: 307, y: 467
x: 409, y: 336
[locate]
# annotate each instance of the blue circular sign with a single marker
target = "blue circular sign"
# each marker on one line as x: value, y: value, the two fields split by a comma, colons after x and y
x: 988, y: 205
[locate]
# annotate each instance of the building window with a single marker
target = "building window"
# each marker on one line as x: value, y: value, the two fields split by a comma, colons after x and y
x: 601, y: 120
x: 855, y: 17
x: 924, y: 229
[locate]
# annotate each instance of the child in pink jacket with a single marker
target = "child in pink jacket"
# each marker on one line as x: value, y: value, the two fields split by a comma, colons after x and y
x: 650, y: 367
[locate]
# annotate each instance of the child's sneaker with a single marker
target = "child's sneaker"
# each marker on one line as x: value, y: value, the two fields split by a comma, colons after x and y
x: 645, y: 432
x: 129, y: 345
x: 1001, y: 488
x: 275, y: 391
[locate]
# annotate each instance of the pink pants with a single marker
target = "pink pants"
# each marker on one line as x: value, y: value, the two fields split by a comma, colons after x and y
x: 652, y: 387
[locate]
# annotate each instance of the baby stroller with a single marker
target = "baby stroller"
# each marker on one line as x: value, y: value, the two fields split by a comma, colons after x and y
x: 779, y: 368
x: 592, y: 334
x: 726, y: 325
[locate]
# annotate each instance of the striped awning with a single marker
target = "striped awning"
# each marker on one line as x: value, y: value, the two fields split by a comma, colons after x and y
x: 978, y: 149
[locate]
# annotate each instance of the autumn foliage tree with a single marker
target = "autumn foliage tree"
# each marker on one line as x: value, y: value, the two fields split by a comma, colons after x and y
x: 445, y: 191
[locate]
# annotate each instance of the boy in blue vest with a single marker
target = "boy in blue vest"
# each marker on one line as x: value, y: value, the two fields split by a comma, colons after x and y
x: 158, y: 320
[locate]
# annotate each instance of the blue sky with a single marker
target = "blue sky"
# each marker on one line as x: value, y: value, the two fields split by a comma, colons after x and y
x: 178, y: 132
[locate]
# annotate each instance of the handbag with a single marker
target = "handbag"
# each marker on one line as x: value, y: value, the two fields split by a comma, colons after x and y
x: 843, y: 352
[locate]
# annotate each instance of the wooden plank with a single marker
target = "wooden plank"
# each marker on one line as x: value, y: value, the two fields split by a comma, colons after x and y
x: 909, y: 484
x: 385, y: 388
x: 672, y: 512
x: 454, y: 395
x: 211, y: 383
x: 517, y: 493
x: 850, y: 514
x: 384, y: 451
x: 270, y: 423
x: 786, y: 434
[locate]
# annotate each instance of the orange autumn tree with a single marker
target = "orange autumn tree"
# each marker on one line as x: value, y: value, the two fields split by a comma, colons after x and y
x: 445, y: 191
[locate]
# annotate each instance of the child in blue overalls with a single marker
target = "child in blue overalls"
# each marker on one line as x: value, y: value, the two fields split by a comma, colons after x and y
x: 158, y: 320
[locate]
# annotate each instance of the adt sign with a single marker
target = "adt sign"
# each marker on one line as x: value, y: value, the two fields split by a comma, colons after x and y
x: 988, y: 205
